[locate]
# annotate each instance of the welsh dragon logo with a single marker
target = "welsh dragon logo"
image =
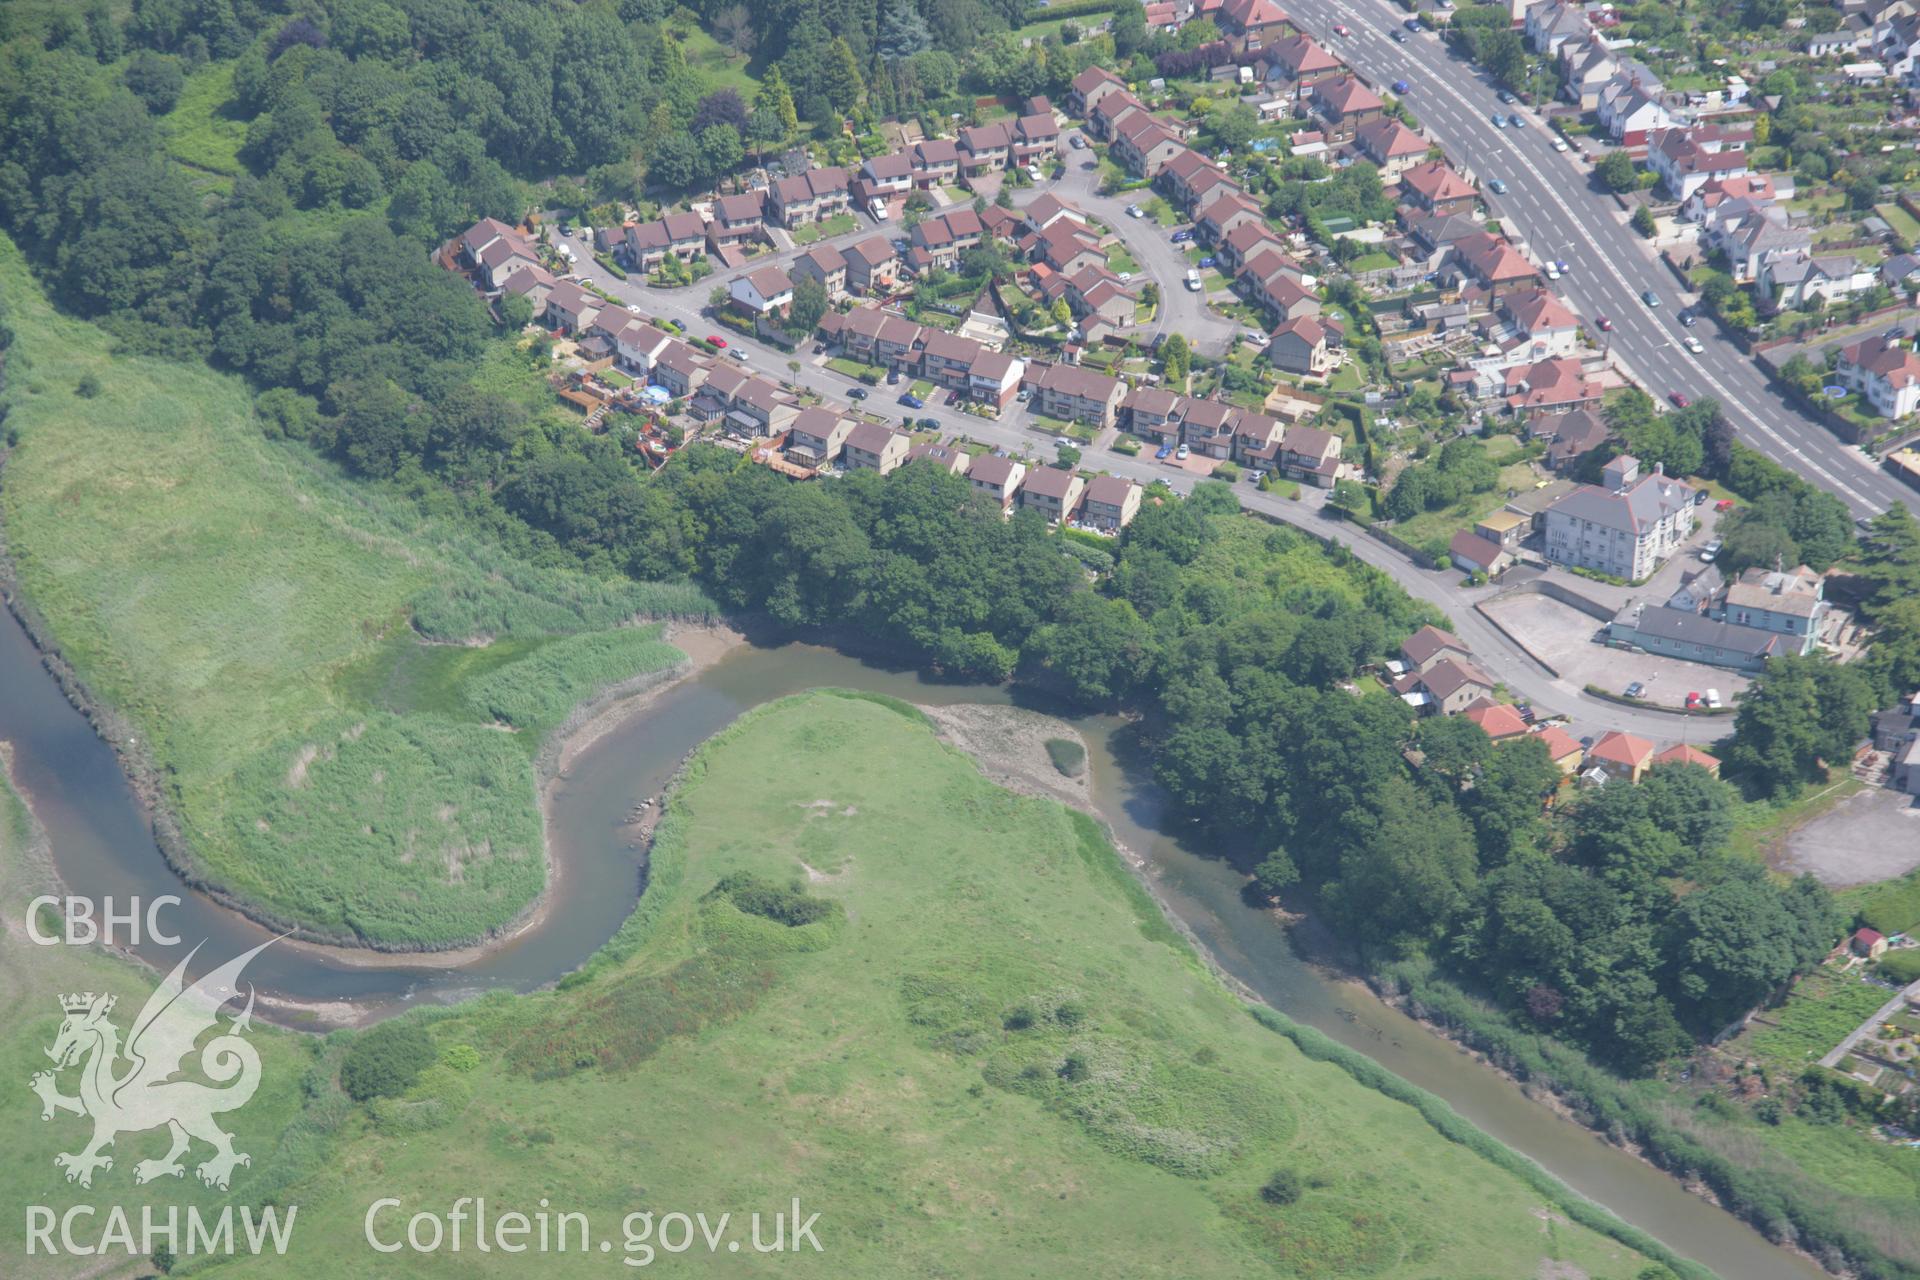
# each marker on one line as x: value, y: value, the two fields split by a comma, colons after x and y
x: 144, y: 1095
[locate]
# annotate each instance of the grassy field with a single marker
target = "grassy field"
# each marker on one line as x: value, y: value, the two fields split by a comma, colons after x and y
x: 963, y: 1036
x: 1892, y: 906
x: 237, y: 600
x: 1444, y: 522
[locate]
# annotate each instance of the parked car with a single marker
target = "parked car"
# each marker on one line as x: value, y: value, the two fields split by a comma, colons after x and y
x: 1181, y: 236
x: 1689, y: 319
x: 1636, y: 690
x: 1649, y: 297
x: 1496, y: 186
x: 1506, y: 96
x: 1125, y: 276
x: 1525, y: 711
x: 1164, y: 452
x: 1553, y: 271
x: 1713, y: 698
x: 893, y: 377
x: 1700, y: 498
x: 1514, y: 121
x: 1413, y: 25
x: 1181, y: 453
x: 1603, y: 324
x: 1725, y: 504
x: 858, y: 393
x: 1559, y: 144
x: 1402, y: 87
x: 1399, y: 36
x: 1063, y: 442
x: 1694, y: 702
x: 1135, y: 211
x: 717, y: 341
x: 1207, y: 261
x: 1680, y: 399
x: 912, y: 401
x: 1077, y: 142
x: 738, y: 354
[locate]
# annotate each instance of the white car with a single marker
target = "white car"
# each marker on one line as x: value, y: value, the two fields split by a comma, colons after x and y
x: 1135, y: 211
x: 1693, y: 344
x: 1559, y: 144
x: 1553, y: 272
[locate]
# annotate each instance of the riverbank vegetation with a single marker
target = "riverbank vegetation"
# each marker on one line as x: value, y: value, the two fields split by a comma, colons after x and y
x: 844, y: 984
x: 246, y: 608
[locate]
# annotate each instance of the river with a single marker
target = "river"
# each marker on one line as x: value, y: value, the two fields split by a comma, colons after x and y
x: 102, y: 845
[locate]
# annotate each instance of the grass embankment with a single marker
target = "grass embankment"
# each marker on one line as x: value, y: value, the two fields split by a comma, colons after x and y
x: 287, y: 1132
x: 247, y: 610
x: 964, y: 1034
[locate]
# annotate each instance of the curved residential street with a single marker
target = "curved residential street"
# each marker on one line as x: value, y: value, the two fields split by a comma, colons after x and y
x: 1183, y: 312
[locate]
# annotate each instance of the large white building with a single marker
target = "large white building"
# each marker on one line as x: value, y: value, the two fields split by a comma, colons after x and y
x: 1627, y: 526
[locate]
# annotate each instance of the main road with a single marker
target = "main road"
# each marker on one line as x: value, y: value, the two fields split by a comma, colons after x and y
x: 1553, y: 201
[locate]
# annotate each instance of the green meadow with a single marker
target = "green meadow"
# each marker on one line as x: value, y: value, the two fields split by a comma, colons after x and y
x: 262, y: 624
x: 946, y: 1019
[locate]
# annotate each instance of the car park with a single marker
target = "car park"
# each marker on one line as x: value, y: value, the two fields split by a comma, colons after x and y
x: 1496, y: 186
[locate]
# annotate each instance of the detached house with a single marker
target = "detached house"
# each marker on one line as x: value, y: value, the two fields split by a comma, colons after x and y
x: 1492, y: 263
x: 1796, y: 280
x: 1627, y: 526
x: 1548, y: 387
x: 1623, y: 757
x: 1631, y: 109
x: 1687, y: 159
x: 571, y: 308
x: 1552, y: 24
x: 1311, y: 455
x: 764, y: 292
x: 1542, y: 322
x: 1884, y: 370
x: 1300, y: 346
x: 502, y: 259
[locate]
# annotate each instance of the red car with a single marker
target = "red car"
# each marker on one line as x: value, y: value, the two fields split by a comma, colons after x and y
x: 717, y: 341
x: 1694, y: 702
x: 1679, y: 399
x: 1340, y: 29
x: 1725, y: 504
x: 1606, y: 325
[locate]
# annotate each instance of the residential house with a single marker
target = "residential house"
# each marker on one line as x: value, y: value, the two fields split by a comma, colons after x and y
x: 639, y: 346
x: 1434, y: 188
x: 1225, y: 214
x: 1054, y: 493
x: 1507, y: 529
x: 765, y: 292
x: 1047, y: 209
x: 1110, y: 503
x: 873, y: 447
x: 882, y: 181
x: 1250, y: 25
x: 1626, y: 526
x: 1472, y: 553
x: 1089, y: 87
x: 1152, y: 412
x: 1300, y: 346
x: 1295, y: 64
x: 1144, y: 145
x: 1542, y: 323
x: 1792, y: 602
x: 996, y: 477
x: 1586, y: 67
x: 1687, y: 159
x: 994, y: 378
x: 933, y: 162
x: 1448, y: 686
x: 737, y: 220
x: 535, y: 284
x: 1206, y: 427
x: 1343, y: 105
x: 1624, y: 757
x: 1751, y: 233
x: 1497, y: 720
x: 1867, y: 943
x: 945, y: 358
x: 818, y: 435
x: 869, y: 266
x: 1274, y: 281
x: 806, y: 198
x: 1798, y: 280
x: 760, y: 407
x: 501, y: 259
x: 678, y: 370
x: 1066, y: 246
x: 677, y: 235
x: 1683, y: 753
x: 1896, y: 43
x: 1900, y: 273
x: 1562, y: 748
x: 475, y: 239
x: 1493, y: 263
x: 1392, y: 147
x: 939, y: 241
x: 1074, y: 394
x: 571, y: 308
x: 985, y: 148
x: 1430, y: 644
x: 827, y: 267
x: 1549, y: 387
x: 1177, y: 176
x: 1631, y: 110
x: 1884, y: 370
x: 1756, y: 187
x: 1114, y: 111
x: 1552, y: 24
x: 1036, y: 139
x: 1436, y: 235
x: 1256, y: 435
x: 1239, y: 246
x: 953, y: 460
x: 1852, y: 36
x: 1311, y: 455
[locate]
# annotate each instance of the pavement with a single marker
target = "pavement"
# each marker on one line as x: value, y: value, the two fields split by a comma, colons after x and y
x: 1871, y: 835
x: 1148, y: 242
x: 1553, y: 199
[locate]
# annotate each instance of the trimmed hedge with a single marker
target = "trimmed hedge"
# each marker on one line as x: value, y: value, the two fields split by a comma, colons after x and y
x: 1072, y: 9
